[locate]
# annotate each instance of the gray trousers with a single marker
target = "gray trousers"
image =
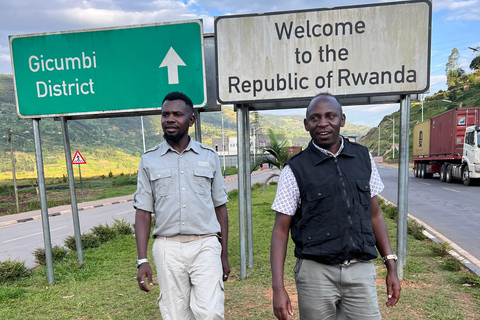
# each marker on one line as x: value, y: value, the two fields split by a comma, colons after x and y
x: 336, y: 291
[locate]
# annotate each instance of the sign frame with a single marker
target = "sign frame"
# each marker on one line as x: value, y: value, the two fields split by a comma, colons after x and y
x: 278, y: 102
x: 80, y: 157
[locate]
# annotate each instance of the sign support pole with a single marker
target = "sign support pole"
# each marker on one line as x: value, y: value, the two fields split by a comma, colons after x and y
x: 81, y: 184
x: 198, y: 126
x: 241, y: 189
x: 248, y: 189
x: 71, y: 185
x: 43, y: 200
x: 403, y: 184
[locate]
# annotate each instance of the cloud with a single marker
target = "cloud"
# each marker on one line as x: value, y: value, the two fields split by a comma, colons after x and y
x: 458, y: 10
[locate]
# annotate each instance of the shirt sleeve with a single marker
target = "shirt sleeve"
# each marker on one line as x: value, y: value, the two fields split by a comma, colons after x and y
x: 143, y: 197
x: 287, y: 198
x: 376, y: 184
x: 219, y: 194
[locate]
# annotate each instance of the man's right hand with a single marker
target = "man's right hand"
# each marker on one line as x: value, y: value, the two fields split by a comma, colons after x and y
x: 145, y: 272
x: 282, y: 307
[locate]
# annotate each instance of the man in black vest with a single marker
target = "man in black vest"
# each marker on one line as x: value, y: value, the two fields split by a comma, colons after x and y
x: 327, y: 197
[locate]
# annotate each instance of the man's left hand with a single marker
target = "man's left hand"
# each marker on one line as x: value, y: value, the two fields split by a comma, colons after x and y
x: 393, y: 289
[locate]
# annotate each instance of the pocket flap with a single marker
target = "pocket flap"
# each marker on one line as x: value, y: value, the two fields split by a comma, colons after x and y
x: 319, y: 193
x: 363, y: 185
x: 203, y: 172
x: 160, y: 174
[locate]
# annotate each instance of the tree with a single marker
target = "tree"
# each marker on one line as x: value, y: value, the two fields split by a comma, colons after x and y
x: 452, y: 63
x: 475, y: 64
x: 276, y: 153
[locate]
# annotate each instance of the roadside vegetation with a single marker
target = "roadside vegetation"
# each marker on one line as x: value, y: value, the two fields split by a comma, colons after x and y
x: 105, y: 287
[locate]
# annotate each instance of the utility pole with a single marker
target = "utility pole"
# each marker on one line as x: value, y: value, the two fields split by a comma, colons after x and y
x: 13, y: 169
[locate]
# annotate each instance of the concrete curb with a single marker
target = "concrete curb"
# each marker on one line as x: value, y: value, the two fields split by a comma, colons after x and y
x: 469, y: 261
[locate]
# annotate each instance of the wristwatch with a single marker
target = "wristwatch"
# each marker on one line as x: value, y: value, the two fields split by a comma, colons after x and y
x: 390, y: 257
x: 140, y: 261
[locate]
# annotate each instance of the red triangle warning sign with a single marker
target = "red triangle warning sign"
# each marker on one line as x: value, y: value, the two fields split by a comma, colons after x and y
x: 78, y: 159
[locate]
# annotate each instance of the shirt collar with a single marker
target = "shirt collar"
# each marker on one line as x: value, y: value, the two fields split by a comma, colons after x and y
x: 328, y: 153
x: 192, y: 145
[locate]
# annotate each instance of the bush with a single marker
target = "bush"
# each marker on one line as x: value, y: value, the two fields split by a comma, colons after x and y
x: 256, y: 185
x: 58, y: 253
x: 110, y: 174
x: 416, y: 230
x: 470, y: 279
x: 452, y: 264
x: 11, y: 270
x: 441, y: 248
x: 123, y: 181
x: 122, y: 227
x: 88, y: 241
x: 390, y: 212
x: 104, y: 233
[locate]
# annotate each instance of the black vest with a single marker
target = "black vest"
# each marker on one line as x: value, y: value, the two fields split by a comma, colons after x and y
x: 333, y: 223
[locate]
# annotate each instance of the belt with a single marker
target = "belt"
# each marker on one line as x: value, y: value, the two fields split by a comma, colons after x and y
x: 348, y: 262
x: 187, y: 237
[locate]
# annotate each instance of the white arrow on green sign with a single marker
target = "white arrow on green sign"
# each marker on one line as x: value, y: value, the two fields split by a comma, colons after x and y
x: 107, y: 71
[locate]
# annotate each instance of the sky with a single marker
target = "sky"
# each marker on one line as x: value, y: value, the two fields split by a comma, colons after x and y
x: 456, y: 24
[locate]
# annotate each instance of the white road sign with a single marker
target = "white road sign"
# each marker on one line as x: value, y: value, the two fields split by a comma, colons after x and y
x: 365, y: 50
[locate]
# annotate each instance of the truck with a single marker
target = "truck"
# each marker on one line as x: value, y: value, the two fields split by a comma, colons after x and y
x: 448, y: 145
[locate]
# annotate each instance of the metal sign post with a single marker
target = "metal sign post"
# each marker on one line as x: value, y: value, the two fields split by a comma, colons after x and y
x: 78, y: 159
x: 47, y: 240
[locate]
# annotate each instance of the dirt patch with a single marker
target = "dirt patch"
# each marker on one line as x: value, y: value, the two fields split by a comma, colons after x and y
x: 405, y: 283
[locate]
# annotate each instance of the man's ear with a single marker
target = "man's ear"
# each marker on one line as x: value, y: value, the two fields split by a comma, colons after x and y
x: 305, y: 124
x: 192, y: 119
x: 344, y: 118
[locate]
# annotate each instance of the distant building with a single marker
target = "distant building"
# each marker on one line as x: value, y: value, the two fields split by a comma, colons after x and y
x: 257, y: 142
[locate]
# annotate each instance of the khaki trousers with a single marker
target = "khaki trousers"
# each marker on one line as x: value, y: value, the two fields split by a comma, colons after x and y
x: 190, y: 278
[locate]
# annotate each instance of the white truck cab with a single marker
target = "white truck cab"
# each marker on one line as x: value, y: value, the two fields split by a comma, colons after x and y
x: 471, y: 156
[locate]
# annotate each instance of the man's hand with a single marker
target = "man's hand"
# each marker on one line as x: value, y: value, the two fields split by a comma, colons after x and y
x: 393, y: 288
x: 226, y: 269
x: 144, y: 272
x: 282, y: 307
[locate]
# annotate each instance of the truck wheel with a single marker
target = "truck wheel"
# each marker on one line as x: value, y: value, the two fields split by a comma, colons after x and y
x: 423, y: 171
x: 448, y: 174
x: 466, y: 177
x: 415, y: 170
x: 442, y: 173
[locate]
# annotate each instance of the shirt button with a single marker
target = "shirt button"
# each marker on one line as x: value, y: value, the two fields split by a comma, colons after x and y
x: 183, y: 206
x: 183, y: 223
x: 181, y: 172
x: 183, y: 189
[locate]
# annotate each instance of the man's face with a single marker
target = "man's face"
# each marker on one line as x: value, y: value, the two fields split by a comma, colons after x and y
x: 324, y: 120
x: 176, y: 118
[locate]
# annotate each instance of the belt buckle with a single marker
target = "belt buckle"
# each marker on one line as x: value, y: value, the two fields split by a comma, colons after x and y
x: 345, y: 263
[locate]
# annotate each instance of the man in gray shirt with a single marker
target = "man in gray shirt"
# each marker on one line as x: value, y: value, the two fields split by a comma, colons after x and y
x: 180, y: 180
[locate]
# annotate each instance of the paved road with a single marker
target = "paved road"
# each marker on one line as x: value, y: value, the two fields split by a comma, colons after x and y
x: 19, y: 240
x: 450, y: 209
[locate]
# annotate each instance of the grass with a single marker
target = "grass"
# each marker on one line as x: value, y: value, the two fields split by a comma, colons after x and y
x: 104, y: 287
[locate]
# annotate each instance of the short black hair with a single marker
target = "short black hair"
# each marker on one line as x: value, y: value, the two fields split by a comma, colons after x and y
x: 172, y: 96
x: 328, y: 94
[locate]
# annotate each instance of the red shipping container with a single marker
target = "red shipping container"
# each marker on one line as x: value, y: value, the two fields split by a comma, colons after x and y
x: 448, y: 129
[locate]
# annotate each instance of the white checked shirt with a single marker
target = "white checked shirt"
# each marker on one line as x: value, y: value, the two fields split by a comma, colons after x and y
x: 287, y: 199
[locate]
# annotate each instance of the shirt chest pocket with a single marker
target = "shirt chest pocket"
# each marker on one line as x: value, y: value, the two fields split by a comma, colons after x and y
x: 162, y: 182
x: 363, y: 187
x: 203, y: 180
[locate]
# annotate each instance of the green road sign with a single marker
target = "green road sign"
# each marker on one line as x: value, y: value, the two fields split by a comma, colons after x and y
x: 99, y: 72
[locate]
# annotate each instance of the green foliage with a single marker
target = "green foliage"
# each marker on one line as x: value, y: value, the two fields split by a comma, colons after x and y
x: 12, y: 270
x: 110, y: 174
x: 452, y: 264
x: 416, y: 230
x: 470, y: 279
x: 472, y: 79
x: 475, y: 64
x: 104, y: 233
x: 277, y: 151
x: 123, y: 180
x: 7, y: 294
x: 122, y: 227
x: 89, y: 240
x: 58, y: 254
x: 441, y: 248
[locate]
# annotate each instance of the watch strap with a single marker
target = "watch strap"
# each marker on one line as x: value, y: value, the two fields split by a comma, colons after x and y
x: 140, y: 261
x: 390, y: 257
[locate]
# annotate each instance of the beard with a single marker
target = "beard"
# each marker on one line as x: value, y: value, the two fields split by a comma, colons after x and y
x: 173, y: 137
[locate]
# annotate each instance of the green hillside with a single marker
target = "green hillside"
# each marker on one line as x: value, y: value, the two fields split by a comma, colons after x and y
x: 463, y: 92
x: 115, y: 144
